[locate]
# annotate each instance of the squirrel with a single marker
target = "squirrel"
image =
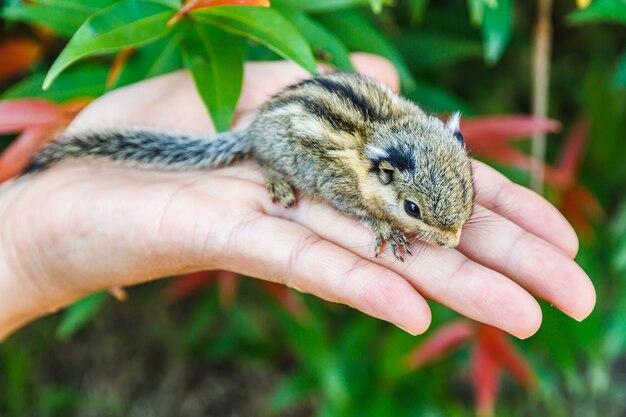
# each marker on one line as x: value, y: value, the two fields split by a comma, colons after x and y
x: 340, y: 138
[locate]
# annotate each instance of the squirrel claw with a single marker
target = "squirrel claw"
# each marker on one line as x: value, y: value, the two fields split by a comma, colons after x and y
x: 397, y: 241
x: 400, y: 240
x: 396, y: 251
x: 404, y: 245
x: 379, y: 245
x: 281, y: 192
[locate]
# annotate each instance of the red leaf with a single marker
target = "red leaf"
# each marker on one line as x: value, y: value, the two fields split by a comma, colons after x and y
x: 286, y: 298
x: 485, y: 378
x: 489, y: 137
x: 203, y: 4
x: 504, y: 155
x: 565, y: 173
x: 187, y: 285
x: 487, y: 130
x: 39, y: 121
x: 19, y: 55
x: 587, y: 202
x: 17, y: 115
x: 15, y: 158
x: 440, y: 343
x: 228, y: 283
x: 576, y: 201
x: 71, y: 108
x: 572, y: 153
x: 508, y: 356
x: 580, y: 207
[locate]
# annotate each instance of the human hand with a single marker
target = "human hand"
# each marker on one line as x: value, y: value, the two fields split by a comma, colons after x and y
x: 83, y: 227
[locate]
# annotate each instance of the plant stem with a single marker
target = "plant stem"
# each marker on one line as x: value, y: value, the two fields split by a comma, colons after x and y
x: 541, y: 81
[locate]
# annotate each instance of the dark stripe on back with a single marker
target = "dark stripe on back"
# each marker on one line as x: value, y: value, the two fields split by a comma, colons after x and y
x: 345, y: 90
x: 319, y: 109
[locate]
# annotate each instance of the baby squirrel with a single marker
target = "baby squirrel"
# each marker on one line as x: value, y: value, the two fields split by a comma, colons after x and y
x: 340, y: 138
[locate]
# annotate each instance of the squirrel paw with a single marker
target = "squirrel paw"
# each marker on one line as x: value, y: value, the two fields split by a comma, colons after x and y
x: 280, y: 191
x: 396, y: 240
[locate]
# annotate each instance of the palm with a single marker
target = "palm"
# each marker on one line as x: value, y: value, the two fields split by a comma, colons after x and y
x: 117, y: 226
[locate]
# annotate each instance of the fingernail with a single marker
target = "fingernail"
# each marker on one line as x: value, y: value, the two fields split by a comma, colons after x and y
x: 565, y: 311
x: 575, y: 317
x: 406, y: 330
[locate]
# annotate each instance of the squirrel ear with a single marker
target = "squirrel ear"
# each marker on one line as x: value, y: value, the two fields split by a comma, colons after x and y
x: 454, y: 121
x: 385, y: 171
x: 385, y: 165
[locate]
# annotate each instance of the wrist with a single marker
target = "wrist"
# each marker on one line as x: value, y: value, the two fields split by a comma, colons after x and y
x: 19, y: 298
x: 75, y: 230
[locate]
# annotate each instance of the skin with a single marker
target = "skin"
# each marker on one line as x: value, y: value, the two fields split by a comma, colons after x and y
x: 82, y: 227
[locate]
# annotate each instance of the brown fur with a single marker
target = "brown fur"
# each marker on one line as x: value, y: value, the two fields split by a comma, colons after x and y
x: 340, y: 138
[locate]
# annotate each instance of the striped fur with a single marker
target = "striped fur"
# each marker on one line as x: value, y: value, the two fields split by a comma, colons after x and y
x: 145, y: 148
x: 340, y: 138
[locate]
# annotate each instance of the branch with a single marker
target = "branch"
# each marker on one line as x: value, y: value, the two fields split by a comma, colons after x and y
x: 541, y: 81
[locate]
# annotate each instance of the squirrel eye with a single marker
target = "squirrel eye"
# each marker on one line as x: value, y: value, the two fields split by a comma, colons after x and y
x: 412, y: 209
x: 458, y: 136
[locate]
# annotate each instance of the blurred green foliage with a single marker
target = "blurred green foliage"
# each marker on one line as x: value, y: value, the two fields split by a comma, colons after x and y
x: 473, y: 56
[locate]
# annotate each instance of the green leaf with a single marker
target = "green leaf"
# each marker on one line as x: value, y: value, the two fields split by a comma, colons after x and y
x: 436, y: 99
x: 174, y: 4
x: 16, y: 371
x: 377, y: 6
x: 436, y: 49
x: 215, y: 58
x: 79, y: 314
x: 497, y: 29
x: 614, y: 337
x: 325, y: 44
x: 83, y: 81
x: 322, y: 6
x: 619, y: 78
x: 600, y: 11
x: 418, y: 9
x: 128, y: 23
x: 290, y: 391
x: 63, y: 19
x: 94, y: 5
x: 263, y: 25
x: 477, y: 9
x: 151, y: 60
x: 360, y: 35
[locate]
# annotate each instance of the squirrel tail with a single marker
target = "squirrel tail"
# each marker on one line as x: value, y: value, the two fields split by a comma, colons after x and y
x: 146, y: 148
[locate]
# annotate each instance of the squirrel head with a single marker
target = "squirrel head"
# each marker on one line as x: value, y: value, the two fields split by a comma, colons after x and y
x: 426, y: 177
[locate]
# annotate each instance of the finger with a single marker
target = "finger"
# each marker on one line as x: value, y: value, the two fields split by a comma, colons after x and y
x: 190, y: 225
x: 443, y: 275
x: 297, y: 257
x: 378, y: 68
x: 535, y: 264
x: 524, y: 207
x: 500, y: 244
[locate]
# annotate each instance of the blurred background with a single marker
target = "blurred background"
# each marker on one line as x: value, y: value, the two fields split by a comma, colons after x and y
x: 542, y: 87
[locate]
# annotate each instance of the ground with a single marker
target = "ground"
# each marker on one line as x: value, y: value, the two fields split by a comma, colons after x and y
x: 124, y: 364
